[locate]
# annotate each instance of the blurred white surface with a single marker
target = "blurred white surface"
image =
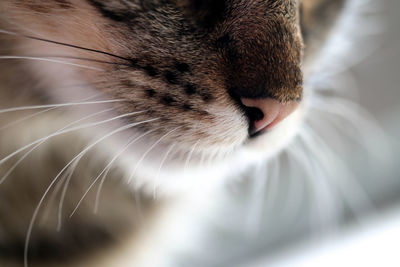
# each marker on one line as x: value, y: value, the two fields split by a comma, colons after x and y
x: 375, y: 243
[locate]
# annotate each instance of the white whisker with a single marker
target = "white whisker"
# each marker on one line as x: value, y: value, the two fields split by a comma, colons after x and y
x: 4, y: 177
x: 51, y: 200
x: 361, y: 121
x: 325, y: 201
x: 38, y: 113
x: 255, y: 206
x: 64, y: 192
x: 202, y: 158
x: 97, y: 201
x: 60, y: 105
x: 189, y: 157
x: 37, y: 37
x: 53, y: 61
x: 211, y: 157
x: 36, y: 211
x: 159, y: 169
x: 138, y: 205
x: 148, y: 151
x: 25, y: 118
x: 57, y: 133
x: 133, y: 140
x: 273, y: 184
x: 342, y: 179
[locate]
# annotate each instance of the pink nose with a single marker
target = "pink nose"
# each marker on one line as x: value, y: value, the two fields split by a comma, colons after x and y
x: 273, y: 110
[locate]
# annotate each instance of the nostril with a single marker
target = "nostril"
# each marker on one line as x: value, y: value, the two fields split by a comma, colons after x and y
x: 253, y: 114
x: 266, y: 113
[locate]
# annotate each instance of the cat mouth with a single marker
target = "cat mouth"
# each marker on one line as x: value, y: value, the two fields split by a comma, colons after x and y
x: 269, y: 113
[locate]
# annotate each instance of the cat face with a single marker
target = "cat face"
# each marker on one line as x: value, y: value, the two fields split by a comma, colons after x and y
x: 207, y: 76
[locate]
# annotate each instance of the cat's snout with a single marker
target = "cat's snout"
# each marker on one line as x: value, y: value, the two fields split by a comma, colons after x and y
x: 272, y: 110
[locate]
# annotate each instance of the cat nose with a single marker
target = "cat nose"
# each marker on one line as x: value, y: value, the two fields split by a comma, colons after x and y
x: 272, y: 110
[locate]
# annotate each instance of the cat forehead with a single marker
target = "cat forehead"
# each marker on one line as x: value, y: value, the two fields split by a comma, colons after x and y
x: 204, y: 9
x: 200, y: 7
x: 204, y: 17
x: 204, y: 13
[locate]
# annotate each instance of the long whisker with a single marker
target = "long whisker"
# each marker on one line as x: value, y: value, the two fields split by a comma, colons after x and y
x: 148, y: 151
x: 53, y: 61
x: 86, y: 149
x: 25, y: 118
x: 64, y: 192
x: 273, y: 183
x: 84, y: 85
x: 100, y: 188
x: 78, y: 58
x: 97, y: 201
x: 358, y: 197
x: 38, y: 113
x: 133, y: 140
x: 44, y: 140
x: 356, y: 116
x: 189, y: 157
x: 70, y: 173
x: 161, y: 165
x: 210, y: 157
x: 256, y: 202
x: 319, y: 168
x: 202, y: 158
x: 60, y: 105
x: 51, y: 201
x: 64, y: 44
x: 67, y: 131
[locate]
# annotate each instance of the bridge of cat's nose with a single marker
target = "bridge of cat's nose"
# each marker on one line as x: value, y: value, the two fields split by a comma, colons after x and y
x: 273, y: 112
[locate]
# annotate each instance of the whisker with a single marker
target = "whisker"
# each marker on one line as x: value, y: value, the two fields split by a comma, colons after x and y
x: 255, y: 207
x: 211, y: 156
x: 64, y: 192
x: 358, y: 198
x: 4, y: 177
x: 63, y: 44
x: 321, y: 201
x: 360, y: 120
x: 38, y: 113
x: 130, y: 142
x: 79, y: 58
x: 85, y: 84
x: 189, y: 157
x: 52, y: 61
x: 57, y: 133
x: 202, y: 158
x: 102, y: 182
x: 273, y: 182
x: 319, y: 167
x: 25, y: 118
x: 86, y: 149
x: 97, y: 201
x: 138, y: 206
x: 161, y: 165
x: 51, y: 201
x: 148, y: 151
x: 60, y: 105
x: 69, y: 173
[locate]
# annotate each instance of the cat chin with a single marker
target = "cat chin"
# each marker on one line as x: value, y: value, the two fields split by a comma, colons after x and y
x: 198, y: 176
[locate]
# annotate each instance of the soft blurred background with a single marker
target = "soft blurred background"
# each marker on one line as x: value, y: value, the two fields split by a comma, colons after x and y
x: 324, y: 219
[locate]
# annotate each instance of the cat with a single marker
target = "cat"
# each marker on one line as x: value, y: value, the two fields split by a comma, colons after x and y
x: 158, y: 102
